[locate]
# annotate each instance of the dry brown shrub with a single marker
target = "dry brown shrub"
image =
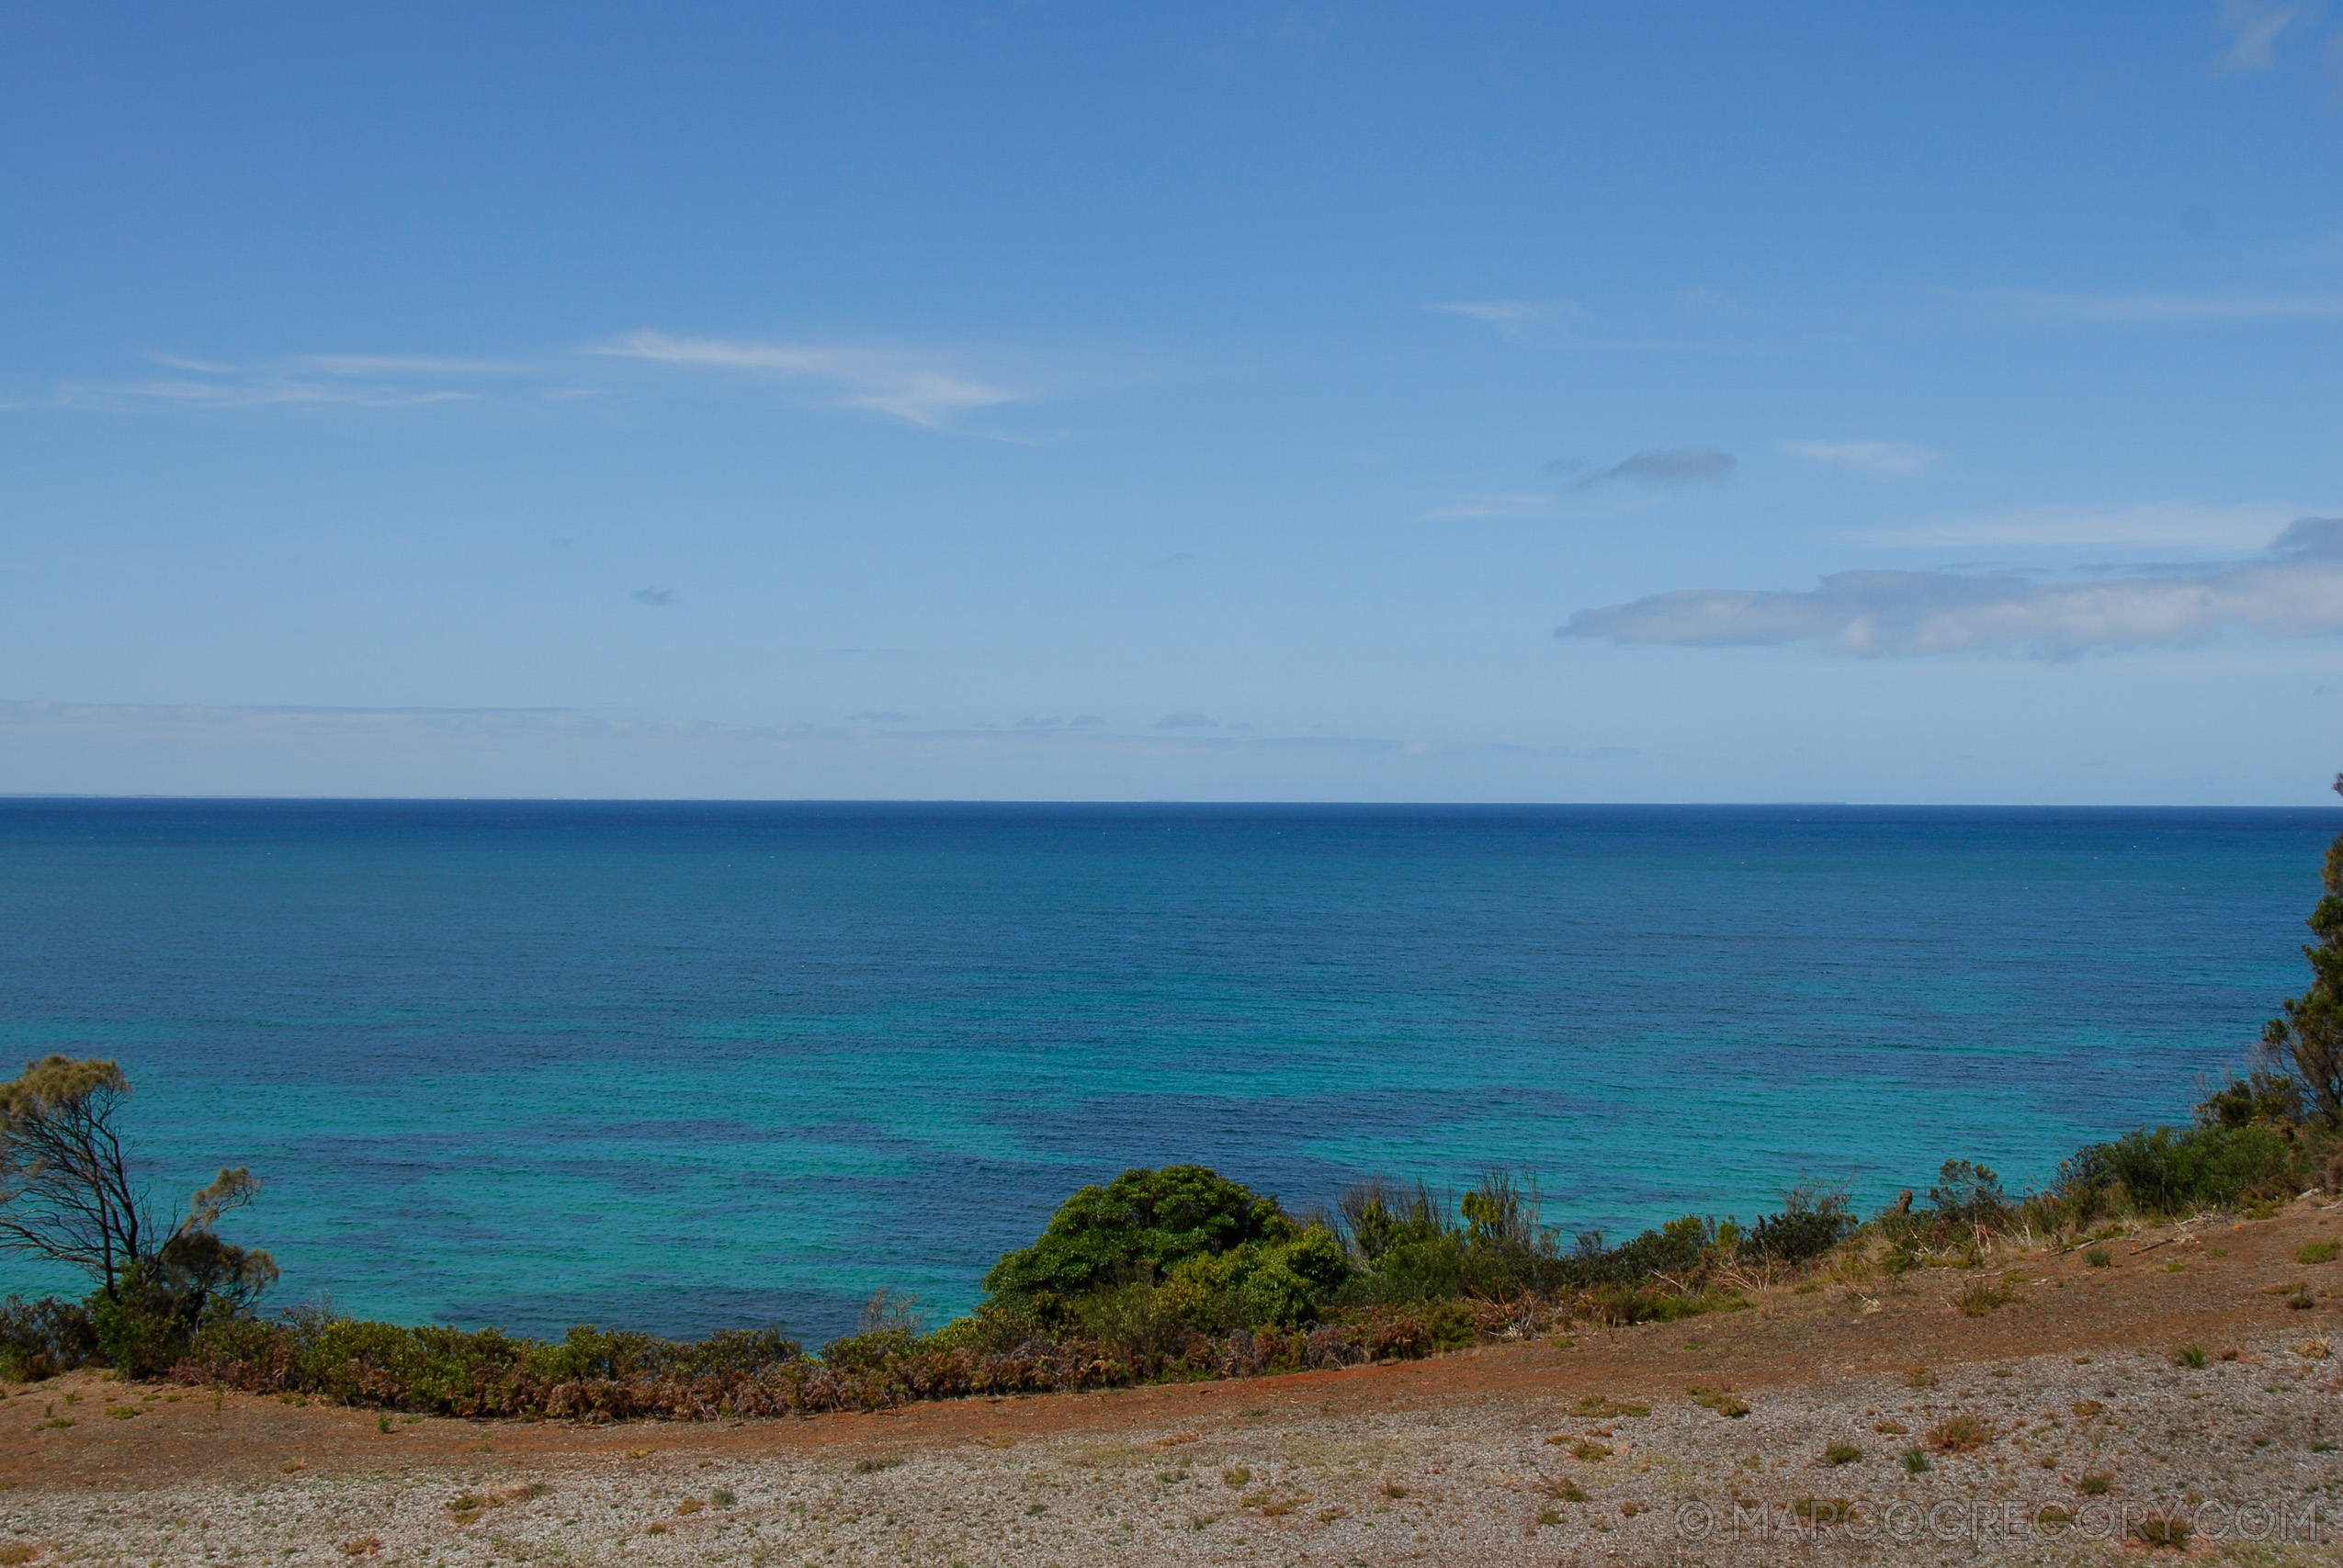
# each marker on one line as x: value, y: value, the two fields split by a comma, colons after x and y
x: 1959, y: 1435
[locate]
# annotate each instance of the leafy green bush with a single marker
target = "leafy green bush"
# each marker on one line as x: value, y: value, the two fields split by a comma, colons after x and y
x: 141, y: 1329
x: 1140, y: 1225
x: 1967, y: 1194
x: 1812, y: 1221
x: 2169, y: 1171
x: 2262, y: 1096
x: 1380, y: 1215
x: 39, y: 1339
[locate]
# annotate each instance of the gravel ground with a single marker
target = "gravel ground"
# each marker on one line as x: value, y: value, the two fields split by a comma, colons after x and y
x: 2234, y: 1448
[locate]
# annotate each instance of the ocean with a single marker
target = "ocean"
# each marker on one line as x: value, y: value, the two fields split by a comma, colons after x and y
x: 682, y: 1066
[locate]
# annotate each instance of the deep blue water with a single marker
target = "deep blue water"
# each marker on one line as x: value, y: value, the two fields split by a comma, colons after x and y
x: 679, y: 1066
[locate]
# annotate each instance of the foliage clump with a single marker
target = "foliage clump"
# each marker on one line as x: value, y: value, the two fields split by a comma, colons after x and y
x: 1143, y: 1222
x: 2309, y: 1032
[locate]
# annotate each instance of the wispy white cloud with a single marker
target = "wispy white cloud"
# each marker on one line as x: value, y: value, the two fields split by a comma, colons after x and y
x: 2295, y: 590
x: 1482, y: 504
x: 904, y: 386
x: 267, y: 391
x: 2253, y: 26
x: 898, y: 384
x: 2151, y: 308
x: 2160, y: 526
x: 1874, y: 459
x: 341, y: 380
x: 1501, y: 312
x: 1513, y: 317
x: 404, y: 364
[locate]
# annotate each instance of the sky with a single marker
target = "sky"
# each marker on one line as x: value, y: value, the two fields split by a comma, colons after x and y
x: 1218, y: 401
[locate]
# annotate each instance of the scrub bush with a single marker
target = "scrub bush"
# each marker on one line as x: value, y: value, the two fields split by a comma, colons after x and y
x: 1141, y: 1224
x: 39, y: 1339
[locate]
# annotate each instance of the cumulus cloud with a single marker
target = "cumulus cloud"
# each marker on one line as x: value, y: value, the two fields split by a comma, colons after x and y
x: 903, y: 386
x: 2253, y: 26
x: 2295, y: 590
x: 1873, y: 460
x: 1682, y: 465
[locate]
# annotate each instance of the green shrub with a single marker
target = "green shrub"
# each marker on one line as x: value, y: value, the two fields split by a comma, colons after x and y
x: 2170, y: 1171
x: 2260, y: 1097
x: 1379, y: 1215
x: 1140, y: 1225
x: 1280, y: 1283
x: 142, y: 1327
x: 1968, y: 1194
x: 39, y: 1339
x: 1422, y: 1268
x: 1810, y: 1224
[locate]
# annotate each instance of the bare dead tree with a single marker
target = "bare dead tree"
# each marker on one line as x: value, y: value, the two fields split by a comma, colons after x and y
x: 65, y: 1190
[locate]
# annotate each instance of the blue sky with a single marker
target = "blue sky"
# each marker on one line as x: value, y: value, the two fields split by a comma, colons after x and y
x: 1216, y: 401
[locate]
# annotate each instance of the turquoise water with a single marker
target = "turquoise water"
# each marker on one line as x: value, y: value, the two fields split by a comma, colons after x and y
x: 680, y: 1066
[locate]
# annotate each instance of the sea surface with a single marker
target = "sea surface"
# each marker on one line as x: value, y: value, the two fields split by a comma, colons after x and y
x: 684, y: 1067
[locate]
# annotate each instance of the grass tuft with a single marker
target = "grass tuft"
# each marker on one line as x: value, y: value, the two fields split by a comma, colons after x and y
x: 1719, y: 1400
x: 1959, y: 1435
x: 1984, y: 1297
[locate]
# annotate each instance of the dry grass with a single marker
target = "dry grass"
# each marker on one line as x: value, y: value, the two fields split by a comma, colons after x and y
x: 1959, y: 1435
x: 1719, y: 1400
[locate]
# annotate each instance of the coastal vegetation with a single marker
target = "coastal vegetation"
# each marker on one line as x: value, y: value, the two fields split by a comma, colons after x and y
x: 1158, y: 1275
